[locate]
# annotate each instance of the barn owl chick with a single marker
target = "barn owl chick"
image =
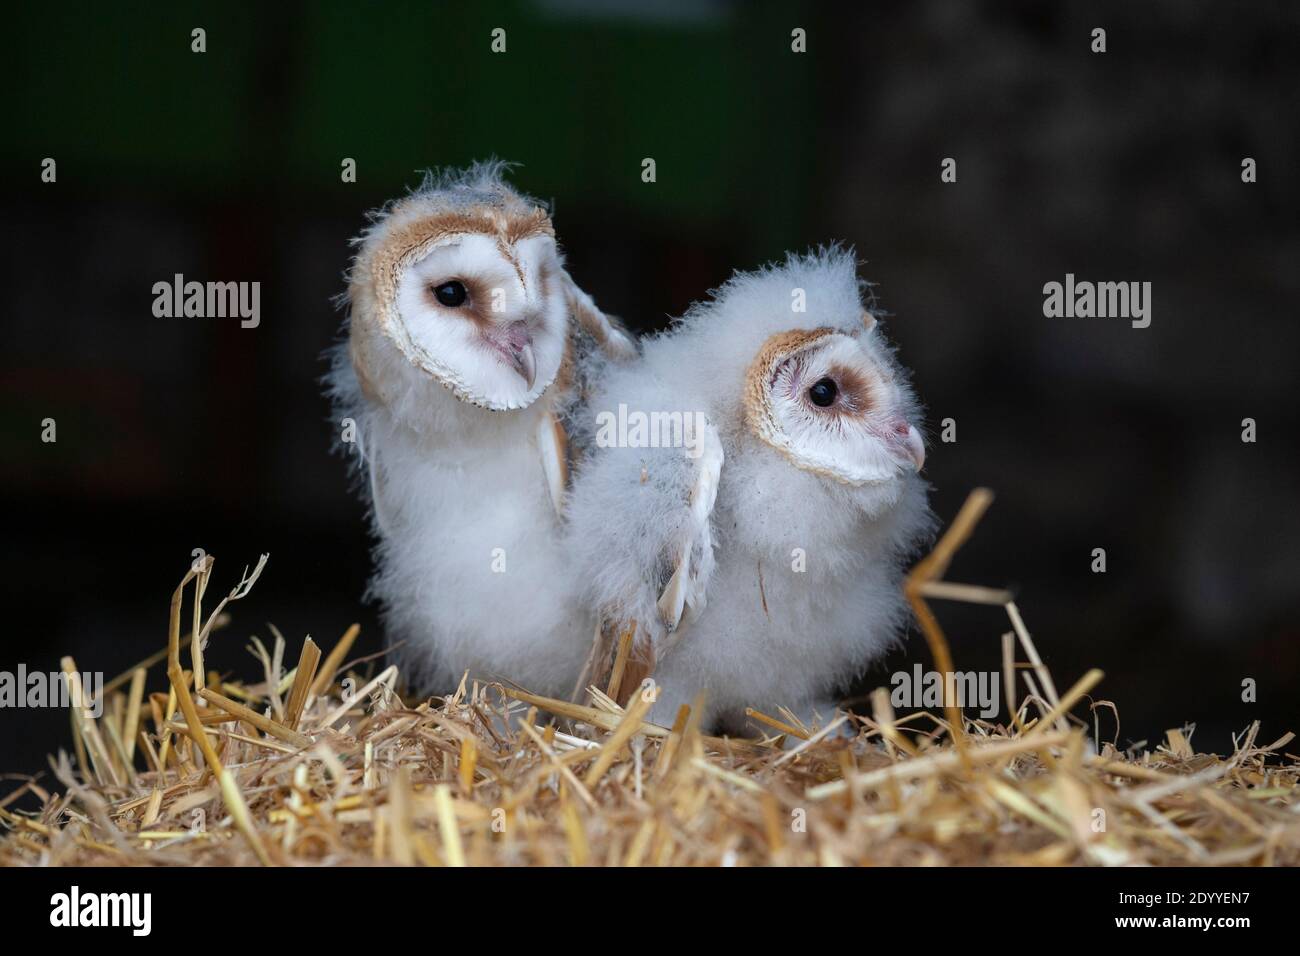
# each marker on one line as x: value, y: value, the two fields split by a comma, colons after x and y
x: 456, y: 375
x: 753, y: 497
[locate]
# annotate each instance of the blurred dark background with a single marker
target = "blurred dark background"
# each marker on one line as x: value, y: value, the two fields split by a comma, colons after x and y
x: 176, y: 434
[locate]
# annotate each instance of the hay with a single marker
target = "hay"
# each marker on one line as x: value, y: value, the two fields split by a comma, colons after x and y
x: 303, y: 768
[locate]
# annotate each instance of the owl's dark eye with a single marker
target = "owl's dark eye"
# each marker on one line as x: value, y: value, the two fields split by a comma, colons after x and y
x: 450, y: 294
x: 823, y: 393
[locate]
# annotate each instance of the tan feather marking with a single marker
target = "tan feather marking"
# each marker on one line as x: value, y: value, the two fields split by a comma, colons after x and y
x: 508, y: 253
x: 855, y: 389
x: 779, y: 347
x: 475, y: 310
x: 759, y: 416
x: 565, y: 377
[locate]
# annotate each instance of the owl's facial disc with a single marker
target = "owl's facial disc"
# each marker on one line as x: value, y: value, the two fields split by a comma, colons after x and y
x: 484, y: 316
x: 823, y: 400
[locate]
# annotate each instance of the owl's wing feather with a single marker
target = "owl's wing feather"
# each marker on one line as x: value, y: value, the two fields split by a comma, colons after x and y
x: 614, y: 340
x: 553, y: 444
x: 639, y: 525
x: 372, y: 472
x: 689, y: 552
x: 686, y: 592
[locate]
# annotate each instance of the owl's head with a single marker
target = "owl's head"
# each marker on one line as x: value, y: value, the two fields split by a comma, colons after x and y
x: 831, y: 403
x: 789, y: 360
x: 461, y: 283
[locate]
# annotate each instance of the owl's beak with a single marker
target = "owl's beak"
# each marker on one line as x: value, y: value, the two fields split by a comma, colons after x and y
x: 915, y: 447
x: 525, y: 364
x: 515, y: 343
x: 908, y: 443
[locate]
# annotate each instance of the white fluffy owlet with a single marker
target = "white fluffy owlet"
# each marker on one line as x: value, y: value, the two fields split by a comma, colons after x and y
x: 753, y: 497
x: 457, y: 372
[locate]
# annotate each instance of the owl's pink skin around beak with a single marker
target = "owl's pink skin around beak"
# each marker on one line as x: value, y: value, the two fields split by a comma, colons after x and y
x: 515, y: 344
x: 907, y: 443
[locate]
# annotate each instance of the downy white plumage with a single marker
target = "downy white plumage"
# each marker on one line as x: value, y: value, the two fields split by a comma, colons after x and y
x: 762, y: 564
x: 458, y: 371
